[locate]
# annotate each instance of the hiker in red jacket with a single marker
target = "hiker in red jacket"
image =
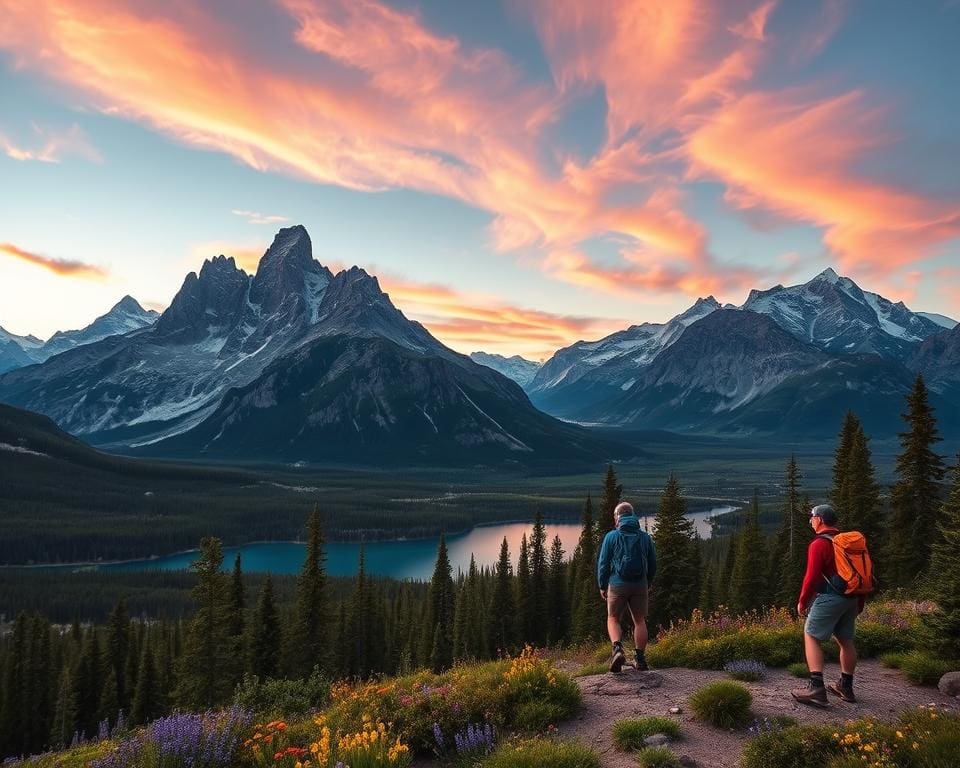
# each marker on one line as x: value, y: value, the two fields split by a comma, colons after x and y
x: 831, y: 612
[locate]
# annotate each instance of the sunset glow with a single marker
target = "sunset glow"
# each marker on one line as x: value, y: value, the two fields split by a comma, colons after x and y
x: 519, y: 176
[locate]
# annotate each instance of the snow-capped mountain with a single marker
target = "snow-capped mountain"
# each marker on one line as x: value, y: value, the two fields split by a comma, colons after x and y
x: 517, y: 368
x: 17, y: 351
x: 836, y: 315
x: 293, y: 363
x: 938, y: 359
x: 125, y: 316
x: 591, y: 371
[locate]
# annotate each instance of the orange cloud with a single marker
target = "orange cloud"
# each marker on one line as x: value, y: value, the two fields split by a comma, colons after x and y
x: 64, y: 267
x: 54, y: 145
x: 801, y: 162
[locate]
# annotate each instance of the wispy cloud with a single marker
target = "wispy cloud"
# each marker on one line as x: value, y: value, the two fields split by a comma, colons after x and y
x: 50, y: 145
x: 368, y: 97
x: 64, y: 267
x: 255, y: 217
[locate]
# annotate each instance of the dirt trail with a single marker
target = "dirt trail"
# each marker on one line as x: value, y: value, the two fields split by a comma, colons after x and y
x: 608, y: 698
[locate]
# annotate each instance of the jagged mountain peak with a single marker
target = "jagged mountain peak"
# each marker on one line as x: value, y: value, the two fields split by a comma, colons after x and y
x: 829, y: 275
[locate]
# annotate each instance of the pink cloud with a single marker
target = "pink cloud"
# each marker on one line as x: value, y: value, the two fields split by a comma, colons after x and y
x: 51, y: 145
x: 63, y: 267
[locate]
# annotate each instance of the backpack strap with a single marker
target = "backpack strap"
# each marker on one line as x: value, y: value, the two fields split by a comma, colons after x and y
x: 829, y: 537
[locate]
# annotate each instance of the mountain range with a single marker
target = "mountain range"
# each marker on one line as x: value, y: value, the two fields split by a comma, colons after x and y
x: 125, y: 316
x: 293, y: 363
x: 787, y: 362
x: 297, y: 363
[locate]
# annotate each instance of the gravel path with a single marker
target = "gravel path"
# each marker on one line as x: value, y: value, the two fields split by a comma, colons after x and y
x: 608, y: 698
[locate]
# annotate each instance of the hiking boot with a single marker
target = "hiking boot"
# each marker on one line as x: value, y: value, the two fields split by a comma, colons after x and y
x: 845, y: 692
x: 814, y: 695
x: 618, y: 660
x: 641, y: 664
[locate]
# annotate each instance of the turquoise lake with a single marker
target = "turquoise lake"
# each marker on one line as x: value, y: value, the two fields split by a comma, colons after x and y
x: 400, y: 558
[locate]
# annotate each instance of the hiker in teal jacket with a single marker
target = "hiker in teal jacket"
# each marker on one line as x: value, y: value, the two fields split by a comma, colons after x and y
x: 626, y: 568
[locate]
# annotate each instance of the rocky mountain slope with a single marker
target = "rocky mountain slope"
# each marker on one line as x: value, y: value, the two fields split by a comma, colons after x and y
x: 292, y: 363
x: 516, y: 368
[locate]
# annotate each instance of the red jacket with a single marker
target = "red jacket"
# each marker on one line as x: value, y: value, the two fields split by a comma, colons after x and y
x: 820, y: 563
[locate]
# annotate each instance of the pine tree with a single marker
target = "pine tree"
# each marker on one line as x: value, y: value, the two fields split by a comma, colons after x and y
x: 523, y: 593
x: 360, y: 623
x: 64, y: 714
x: 237, y: 622
x: 207, y: 663
x: 943, y: 625
x: 915, y: 497
x: 310, y: 635
x: 440, y: 606
x: 148, y: 699
x: 86, y: 684
x: 788, y: 555
x: 558, y: 604
x: 841, y: 458
x: 539, y: 621
x: 749, y: 578
x: 500, y: 617
x: 589, y: 612
x: 266, y: 635
x: 612, y: 493
x: 109, y: 699
x: 708, y: 592
x: 724, y: 594
x: 676, y: 591
x: 118, y: 640
x: 860, y: 492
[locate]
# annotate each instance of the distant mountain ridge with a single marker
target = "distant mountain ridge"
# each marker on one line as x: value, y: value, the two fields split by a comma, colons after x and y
x: 124, y: 317
x: 517, y: 368
x: 291, y: 363
x: 723, y: 369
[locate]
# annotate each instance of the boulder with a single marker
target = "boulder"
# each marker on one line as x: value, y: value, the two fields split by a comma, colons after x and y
x: 656, y: 740
x: 949, y: 684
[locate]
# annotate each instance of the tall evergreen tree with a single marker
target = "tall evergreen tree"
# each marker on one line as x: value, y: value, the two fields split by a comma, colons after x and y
x: 725, y: 581
x: 558, y: 603
x: 523, y: 593
x: 310, y: 631
x: 266, y: 640
x: 361, y: 623
x: 237, y: 599
x: 500, y: 617
x: 915, y: 497
x: 440, y: 607
x: 64, y: 714
x: 148, y: 698
x: 589, y: 612
x: 87, y: 684
x: 841, y: 458
x: 943, y: 625
x: 612, y: 494
x: 749, y: 579
x: 206, y: 674
x: 676, y: 591
x: 118, y: 641
x: 860, y: 493
x: 539, y: 621
x: 788, y: 554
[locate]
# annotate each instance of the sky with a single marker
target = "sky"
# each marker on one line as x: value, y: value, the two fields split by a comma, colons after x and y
x: 518, y: 174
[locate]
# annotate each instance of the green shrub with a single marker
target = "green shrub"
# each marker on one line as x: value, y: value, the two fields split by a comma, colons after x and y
x: 892, y: 660
x: 536, y: 715
x: 923, y: 668
x: 282, y: 698
x: 537, y: 753
x: 873, y: 639
x: 791, y: 748
x: 629, y: 734
x: 724, y: 703
x: 657, y: 757
x: 798, y: 669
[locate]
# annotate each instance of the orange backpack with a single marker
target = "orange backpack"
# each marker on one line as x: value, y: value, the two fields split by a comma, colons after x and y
x: 854, y: 565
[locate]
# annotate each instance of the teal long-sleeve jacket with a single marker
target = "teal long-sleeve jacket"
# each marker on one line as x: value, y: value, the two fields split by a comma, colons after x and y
x: 629, y: 524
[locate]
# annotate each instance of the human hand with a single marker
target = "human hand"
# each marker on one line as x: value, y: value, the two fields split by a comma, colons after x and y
x: 800, y: 609
x: 603, y: 595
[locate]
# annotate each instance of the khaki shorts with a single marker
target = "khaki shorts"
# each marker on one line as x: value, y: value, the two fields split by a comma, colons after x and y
x: 621, y: 597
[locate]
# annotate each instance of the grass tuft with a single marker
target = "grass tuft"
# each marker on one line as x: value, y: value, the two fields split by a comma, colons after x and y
x: 630, y: 734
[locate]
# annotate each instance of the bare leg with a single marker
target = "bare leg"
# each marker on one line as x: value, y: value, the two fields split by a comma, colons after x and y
x: 848, y: 656
x: 613, y: 628
x: 813, y: 652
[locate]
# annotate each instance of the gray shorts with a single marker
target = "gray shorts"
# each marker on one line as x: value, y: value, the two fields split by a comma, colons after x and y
x: 620, y: 597
x: 832, y: 614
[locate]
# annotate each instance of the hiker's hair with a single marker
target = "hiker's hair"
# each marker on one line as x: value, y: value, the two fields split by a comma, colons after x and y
x: 622, y: 509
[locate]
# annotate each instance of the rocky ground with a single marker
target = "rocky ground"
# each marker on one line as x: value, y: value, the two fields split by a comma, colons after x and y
x: 607, y: 698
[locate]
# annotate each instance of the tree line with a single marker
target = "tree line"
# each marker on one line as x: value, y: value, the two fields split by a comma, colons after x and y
x: 58, y: 683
